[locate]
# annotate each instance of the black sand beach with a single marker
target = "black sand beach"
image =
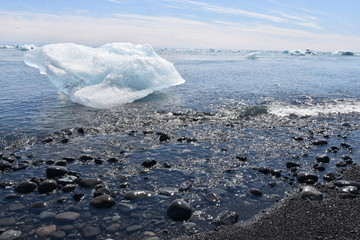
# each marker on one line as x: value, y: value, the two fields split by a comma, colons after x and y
x: 334, y: 217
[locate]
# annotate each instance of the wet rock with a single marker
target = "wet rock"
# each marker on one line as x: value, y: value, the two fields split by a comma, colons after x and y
x: 15, y: 207
x: 350, y: 190
x: 213, y: 197
x: 149, y: 163
x: 275, y: 172
x: 341, y: 164
x: 319, y: 167
x: 101, y: 191
x: 4, y: 222
x: 187, y: 139
x: 298, y: 138
x: 323, y: 159
x: 46, y: 231
x: 58, y: 235
x: 26, y: 187
x: 4, y: 165
x: 103, y: 201
x: 67, y: 217
x: 292, y: 165
x: 10, y: 235
x: 179, y: 210
x: 48, y: 140
x: 255, y: 192
x: 185, y: 186
x: 46, y: 216
x: 78, y: 196
x: 69, y: 159
x: 85, y: 158
x: 320, y: 142
x: 98, y: 161
x: 56, y: 171
x: 67, y: 180
x: 113, y: 160
x: 65, y: 140
x: 126, y: 207
x: 91, y: 231
x: 69, y: 188
x: 133, y: 195
x: 226, y: 217
x: 263, y: 170
x: 164, y: 137
x: 344, y: 183
x: 167, y: 165
x: 39, y: 206
x: 241, y: 158
x: 133, y: 228
x: 308, y: 178
x: 113, y: 228
x: 49, y: 162
x: 168, y: 191
x: 347, y: 159
x: 90, y: 182
x: 125, y: 185
x: 345, y: 145
x: 47, y: 186
x: 62, y: 163
x: 331, y: 177
x: 311, y: 193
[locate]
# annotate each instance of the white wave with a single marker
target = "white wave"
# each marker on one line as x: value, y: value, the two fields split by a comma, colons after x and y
x: 104, y: 77
x: 283, y: 110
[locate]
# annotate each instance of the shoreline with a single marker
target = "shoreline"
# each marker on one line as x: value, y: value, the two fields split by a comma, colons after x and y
x: 334, y: 217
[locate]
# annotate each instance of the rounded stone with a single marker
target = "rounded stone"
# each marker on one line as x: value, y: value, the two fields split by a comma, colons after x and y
x: 226, y: 217
x: 56, y: 171
x: 26, y: 187
x: 149, y: 163
x: 67, y: 217
x: 46, y: 216
x: 103, y: 201
x: 7, y: 221
x: 133, y: 195
x: 304, y: 177
x: 58, y: 235
x: 91, y: 231
x: 4, y: 165
x: 311, y: 193
x: 213, y: 197
x: 350, y: 190
x: 46, y: 230
x: 10, y: 235
x: 323, y: 159
x: 179, y: 210
x: 255, y: 192
x: 39, y: 206
x: 113, y: 228
x: 90, y: 182
x: 47, y: 186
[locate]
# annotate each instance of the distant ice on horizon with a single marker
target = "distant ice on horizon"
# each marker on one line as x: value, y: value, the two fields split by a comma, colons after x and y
x: 104, y: 77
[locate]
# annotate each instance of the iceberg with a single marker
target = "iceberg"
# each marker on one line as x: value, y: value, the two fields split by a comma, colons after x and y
x: 343, y: 53
x: 252, y: 56
x: 110, y: 75
x: 297, y: 53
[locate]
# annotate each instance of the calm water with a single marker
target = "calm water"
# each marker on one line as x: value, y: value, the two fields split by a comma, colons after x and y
x: 231, y: 105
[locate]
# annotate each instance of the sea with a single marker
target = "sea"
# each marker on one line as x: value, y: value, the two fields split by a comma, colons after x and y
x: 222, y: 141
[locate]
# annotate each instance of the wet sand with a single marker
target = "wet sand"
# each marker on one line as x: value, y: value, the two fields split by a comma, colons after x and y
x: 334, y: 217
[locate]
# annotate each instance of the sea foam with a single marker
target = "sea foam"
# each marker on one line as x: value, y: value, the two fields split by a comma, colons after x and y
x: 104, y: 77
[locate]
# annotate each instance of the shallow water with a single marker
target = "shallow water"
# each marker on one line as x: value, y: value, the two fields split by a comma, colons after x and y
x: 231, y: 105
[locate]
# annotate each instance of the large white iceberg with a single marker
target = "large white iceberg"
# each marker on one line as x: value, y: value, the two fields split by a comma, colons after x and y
x: 111, y: 75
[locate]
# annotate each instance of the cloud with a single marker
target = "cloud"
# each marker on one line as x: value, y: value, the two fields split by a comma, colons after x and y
x: 232, y: 11
x: 163, y: 31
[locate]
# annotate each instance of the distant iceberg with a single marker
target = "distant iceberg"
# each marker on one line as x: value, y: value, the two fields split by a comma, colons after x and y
x: 111, y: 75
x: 343, y: 53
x: 22, y: 47
x: 297, y: 53
x: 252, y: 56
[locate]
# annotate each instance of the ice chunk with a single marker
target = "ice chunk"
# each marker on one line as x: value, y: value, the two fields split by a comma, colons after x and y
x: 343, y: 53
x: 297, y: 53
x: 252, y: 56
x: 107, y: 76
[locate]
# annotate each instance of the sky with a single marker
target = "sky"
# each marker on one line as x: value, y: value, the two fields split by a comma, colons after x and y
x: 323, y: 25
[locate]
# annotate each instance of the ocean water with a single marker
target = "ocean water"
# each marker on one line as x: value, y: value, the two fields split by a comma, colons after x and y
x: 268, y: 107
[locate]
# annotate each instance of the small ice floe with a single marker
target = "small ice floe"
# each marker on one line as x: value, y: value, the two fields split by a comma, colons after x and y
x: 252, y: 56
x: 297, y: 53
x: 343, y: 53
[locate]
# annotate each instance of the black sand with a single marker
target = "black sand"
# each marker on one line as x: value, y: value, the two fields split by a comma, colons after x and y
x: 334, y: 217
